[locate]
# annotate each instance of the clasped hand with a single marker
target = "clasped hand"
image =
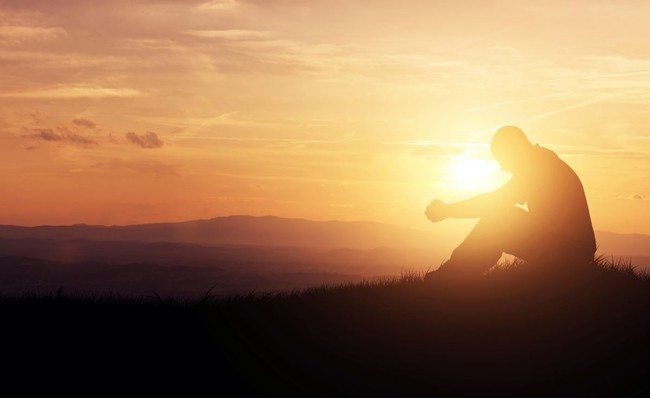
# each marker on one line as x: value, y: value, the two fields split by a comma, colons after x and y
x: 436, y: 211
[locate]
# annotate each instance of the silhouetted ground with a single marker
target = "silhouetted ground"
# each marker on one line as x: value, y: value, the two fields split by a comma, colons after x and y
x: 526, y: 331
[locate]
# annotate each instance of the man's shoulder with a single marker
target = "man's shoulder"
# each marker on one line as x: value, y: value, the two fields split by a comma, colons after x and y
x: 543, y: 162
x: 546, y: 156
x: 551, y: 164
x: 543, y: 151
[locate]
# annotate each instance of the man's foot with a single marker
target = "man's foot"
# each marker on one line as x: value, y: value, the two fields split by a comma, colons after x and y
x: 450, y: 274
x: 435, y: 276
x: 430, y: 277
x: 442, y: 272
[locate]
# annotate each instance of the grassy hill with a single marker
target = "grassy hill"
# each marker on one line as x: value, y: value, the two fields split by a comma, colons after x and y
x: 524, y: 331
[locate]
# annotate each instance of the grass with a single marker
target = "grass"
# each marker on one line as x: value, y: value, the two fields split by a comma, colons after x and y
x: 522, y: 330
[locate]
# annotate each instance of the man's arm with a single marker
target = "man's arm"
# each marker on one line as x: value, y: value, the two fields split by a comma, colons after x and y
x: 477, y: 206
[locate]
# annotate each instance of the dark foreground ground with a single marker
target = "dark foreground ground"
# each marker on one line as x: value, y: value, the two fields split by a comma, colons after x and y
x: 523, y: 332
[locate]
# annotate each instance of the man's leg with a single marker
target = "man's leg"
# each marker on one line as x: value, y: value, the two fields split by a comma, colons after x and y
x: 511, y: 230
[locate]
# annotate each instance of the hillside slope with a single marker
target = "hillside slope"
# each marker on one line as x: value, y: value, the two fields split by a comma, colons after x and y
x: 523, y: 332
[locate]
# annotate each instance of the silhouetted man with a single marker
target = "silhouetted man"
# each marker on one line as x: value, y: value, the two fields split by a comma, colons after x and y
x: 556, y: 228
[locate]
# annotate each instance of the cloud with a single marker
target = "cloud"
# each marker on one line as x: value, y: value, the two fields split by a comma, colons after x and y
x: 638, y: 196
x: 148, y: 140
x: 84, y: 123
x: 218, y: 5
x: 229, y: 34
x: 442, y: 150
x: 45, y: 135
x: 520, y: 101
x: 62, y: 136
x: 72, y: 133
x: 80, y: 140
x: 342, y: 205
x: 145, y: 167
x: 73, y: 92
x: 19, y: 34
x: 623, y: 153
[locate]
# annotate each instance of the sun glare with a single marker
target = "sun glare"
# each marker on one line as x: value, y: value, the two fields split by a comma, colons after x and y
x: 470, y: 172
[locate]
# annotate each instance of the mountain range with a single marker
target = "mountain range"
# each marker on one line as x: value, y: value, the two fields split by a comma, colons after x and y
x: 237, y: 230
x: 235, y: 253
x: 284, y: 232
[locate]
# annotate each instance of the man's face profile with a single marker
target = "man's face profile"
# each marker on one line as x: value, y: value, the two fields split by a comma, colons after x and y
x: 509, y: 160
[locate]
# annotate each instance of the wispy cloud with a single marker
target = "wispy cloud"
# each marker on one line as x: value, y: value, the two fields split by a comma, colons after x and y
x: 625, y: 153
x: 638, y: 196
x: 73, y: 93
x: 86, y: 133
x: 588, y: 102
x: 83, y: 122
x: 229, y: 34
x: 148, y: 140
x: 20, y: 34
x: 218, y: 5
x: 442, y: 150
x: 519, y: 101
x: 595, y: 77
x: 140, y: 166
x: 68, y: 137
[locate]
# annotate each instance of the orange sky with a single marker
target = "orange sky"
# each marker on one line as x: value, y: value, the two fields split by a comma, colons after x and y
x: 140, y: 111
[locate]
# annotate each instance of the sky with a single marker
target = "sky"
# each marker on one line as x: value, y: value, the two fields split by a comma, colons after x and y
x: 127, y: 112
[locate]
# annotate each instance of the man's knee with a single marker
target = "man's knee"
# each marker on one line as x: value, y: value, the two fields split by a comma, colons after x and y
x: 511, y: 230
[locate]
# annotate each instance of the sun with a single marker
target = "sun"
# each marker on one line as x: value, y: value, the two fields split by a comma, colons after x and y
x: 471, y: 172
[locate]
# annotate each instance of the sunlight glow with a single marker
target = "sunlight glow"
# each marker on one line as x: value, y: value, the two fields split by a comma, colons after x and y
x: 469, y: 172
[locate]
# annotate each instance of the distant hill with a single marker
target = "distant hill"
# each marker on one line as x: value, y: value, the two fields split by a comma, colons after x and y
x: 286, y: 232
x: 170, y: 268
x: 237, y: 254
x: 227, y: 257
x: 239, y: 230
x: 625, y: 244
x: 20, y: 275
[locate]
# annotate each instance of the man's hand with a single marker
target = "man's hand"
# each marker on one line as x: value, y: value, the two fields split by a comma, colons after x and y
x: 436, y: 211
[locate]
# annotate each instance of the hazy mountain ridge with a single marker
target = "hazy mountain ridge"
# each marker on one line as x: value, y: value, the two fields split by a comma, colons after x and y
x: 237, y: 230
x: 285, y: 232
x: 234, y: 254
x: 23, y: 274
x: 188, y: 254
x: 170, y: 268
x: 625, y: 244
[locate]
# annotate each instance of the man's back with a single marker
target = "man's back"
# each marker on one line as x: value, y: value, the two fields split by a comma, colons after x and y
x: 556, y: 198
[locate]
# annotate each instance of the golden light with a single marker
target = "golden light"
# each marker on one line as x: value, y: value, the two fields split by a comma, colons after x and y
x: 471, y: 172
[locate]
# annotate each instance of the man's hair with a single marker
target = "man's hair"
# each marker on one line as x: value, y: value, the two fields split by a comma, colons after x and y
x: 508, y: 139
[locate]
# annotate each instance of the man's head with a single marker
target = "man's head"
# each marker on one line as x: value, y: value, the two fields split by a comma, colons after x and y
x: 510, y: 148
